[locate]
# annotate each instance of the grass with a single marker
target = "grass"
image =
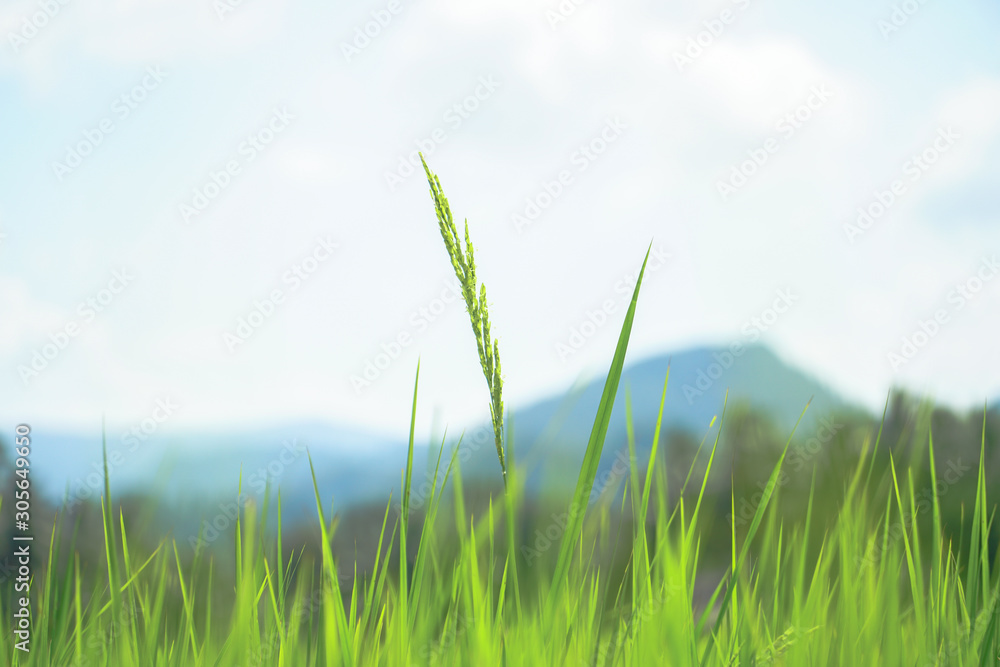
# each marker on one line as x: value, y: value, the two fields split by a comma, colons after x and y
x: 870, y: 587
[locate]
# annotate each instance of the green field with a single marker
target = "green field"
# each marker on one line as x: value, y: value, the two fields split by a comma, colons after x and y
x: 870, y: 571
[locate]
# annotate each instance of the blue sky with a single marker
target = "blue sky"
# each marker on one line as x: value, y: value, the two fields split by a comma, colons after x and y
x: 347, y: 122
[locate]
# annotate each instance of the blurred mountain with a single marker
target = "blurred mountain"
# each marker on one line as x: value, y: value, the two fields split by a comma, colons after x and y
x: 205, y: 463
x: 554, y: 432
x: 354, y: 467
x: 699, y: 381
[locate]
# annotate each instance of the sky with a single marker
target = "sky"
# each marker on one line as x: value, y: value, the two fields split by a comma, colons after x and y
x: 214, y: 202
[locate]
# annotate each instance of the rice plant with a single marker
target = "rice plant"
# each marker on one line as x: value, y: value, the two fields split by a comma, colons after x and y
x: 464, y: 263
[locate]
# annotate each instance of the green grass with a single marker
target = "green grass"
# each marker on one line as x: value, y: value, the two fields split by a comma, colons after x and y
x: 869, y: 587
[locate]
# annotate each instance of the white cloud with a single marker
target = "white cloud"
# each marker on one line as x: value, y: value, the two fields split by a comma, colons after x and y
x: 686, y: 130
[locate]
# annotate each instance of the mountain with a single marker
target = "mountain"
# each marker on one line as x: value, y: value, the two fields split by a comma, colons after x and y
x: 353, y: 466
x: 554, y: 432
x: 200, y: 463
x: 699, y: 380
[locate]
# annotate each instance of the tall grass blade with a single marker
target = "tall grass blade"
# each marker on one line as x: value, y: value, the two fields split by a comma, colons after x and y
x: 592, y: 457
